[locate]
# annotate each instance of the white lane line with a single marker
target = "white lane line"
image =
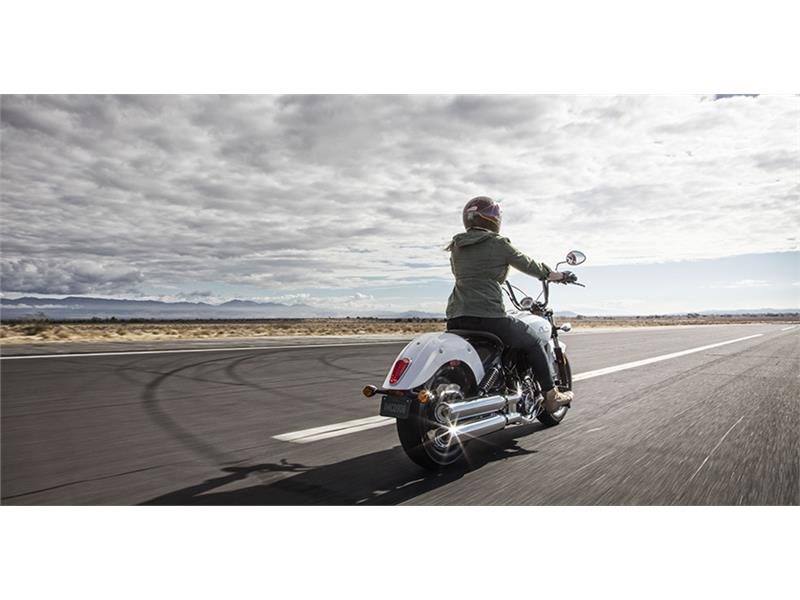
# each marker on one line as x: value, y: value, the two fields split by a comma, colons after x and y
x: 188, y: 350
x: 655, y: 359
x: 722, y: 439
x: 299, y: 436
x: 788, y: 328
x: 330, y: 434
x: 337, y: 429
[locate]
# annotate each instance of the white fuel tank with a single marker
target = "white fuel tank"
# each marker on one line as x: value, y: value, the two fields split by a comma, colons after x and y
x: 542, y: 330
x: 539, y: 326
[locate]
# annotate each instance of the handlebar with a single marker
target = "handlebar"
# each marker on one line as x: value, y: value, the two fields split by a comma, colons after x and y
x: 572, y: 280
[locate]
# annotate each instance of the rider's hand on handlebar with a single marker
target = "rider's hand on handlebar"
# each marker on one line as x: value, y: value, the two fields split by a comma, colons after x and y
x: 562, y: 277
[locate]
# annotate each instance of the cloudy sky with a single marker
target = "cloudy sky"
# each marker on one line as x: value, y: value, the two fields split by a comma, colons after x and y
x: 680, y: 202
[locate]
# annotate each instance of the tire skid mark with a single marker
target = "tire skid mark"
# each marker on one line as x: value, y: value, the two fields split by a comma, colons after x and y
x: 78, y: 482
x: 161, y: 418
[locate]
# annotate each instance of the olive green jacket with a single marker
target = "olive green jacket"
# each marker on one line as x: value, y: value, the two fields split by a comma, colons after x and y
x: 479, y: 260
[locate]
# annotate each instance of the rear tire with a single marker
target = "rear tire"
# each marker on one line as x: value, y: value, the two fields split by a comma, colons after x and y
x: 550, y: 419
x: 418, y: 433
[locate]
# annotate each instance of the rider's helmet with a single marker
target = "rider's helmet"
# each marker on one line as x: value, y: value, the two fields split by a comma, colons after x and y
x: 482, y: 212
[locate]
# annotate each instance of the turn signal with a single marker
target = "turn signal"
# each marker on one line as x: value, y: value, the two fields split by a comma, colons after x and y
x: 399, y: 368
x: 424, y: 396
x: 369, y: 391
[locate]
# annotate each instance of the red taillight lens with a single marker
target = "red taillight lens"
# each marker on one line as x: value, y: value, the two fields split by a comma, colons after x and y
x: 398, y: 369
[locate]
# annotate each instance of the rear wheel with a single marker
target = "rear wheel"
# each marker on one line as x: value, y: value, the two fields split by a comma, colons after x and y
x: 424, y: 437
x: 550, y: 419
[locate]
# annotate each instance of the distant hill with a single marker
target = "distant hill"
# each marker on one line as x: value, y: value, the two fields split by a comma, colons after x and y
x: 752, y: 311
x: 82, y: 307
x: 86, y: 307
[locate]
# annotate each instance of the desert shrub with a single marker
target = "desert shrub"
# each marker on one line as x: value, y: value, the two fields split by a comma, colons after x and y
x: 36, y: 325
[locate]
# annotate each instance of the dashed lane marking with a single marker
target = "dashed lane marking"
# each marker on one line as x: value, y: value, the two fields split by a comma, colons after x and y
x: 327, y: 431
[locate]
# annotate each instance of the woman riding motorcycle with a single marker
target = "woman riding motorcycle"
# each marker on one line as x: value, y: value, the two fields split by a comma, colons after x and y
x: 479, y: 259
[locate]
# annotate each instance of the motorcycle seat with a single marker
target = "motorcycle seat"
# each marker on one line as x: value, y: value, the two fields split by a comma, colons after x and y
x: 468, y: 334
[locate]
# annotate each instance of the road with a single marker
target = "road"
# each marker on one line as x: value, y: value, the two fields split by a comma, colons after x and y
x: 713, y: 426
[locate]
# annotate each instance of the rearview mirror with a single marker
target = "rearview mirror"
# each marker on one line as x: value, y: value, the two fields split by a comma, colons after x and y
x: 575, y: 257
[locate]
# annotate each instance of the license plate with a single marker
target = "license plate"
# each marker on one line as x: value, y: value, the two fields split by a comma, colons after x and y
x: 395, y: 406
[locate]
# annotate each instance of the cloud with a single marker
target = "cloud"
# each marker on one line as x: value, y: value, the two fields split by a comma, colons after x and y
x: 271, y: 196
x: 779, y: 160
x: 742, y: 283
x: 67, y: 277
x: 723, y: 96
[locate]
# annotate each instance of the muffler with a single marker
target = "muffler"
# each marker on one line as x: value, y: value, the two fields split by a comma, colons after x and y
x: 458, y: 411
x: 485, y: 426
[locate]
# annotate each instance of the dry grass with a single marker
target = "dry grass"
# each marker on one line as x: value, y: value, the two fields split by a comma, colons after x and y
x: 659, y: 321
x: 11, y: 333
x: 45, y: 331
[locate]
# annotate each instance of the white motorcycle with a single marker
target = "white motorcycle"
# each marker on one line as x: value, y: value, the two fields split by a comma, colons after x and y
x: 447, y: 388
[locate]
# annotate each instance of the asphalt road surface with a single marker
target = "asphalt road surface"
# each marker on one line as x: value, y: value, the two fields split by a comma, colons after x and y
x: 288, y: 426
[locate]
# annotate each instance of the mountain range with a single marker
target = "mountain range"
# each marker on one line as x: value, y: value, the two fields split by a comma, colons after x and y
x: 81, y: 307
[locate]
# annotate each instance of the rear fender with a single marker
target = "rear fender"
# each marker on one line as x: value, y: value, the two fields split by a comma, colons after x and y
x: 428, y: 353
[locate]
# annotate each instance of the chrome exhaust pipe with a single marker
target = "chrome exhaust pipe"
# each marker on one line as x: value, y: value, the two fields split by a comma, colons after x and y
x: 514, y: 417
x: 485, y: 426
x: 457, y: 411
x: 478, y: 428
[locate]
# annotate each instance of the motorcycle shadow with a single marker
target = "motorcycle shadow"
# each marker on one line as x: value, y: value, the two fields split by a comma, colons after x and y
x: 386, y: 477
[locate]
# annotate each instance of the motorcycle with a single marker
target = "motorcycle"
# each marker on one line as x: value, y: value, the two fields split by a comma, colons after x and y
x: 446, y: 389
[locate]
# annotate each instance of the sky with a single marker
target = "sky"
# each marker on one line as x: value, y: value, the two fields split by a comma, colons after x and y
x: 681, y: 203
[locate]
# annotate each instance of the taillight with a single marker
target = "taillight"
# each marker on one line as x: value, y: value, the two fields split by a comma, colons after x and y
x: 398, y: 369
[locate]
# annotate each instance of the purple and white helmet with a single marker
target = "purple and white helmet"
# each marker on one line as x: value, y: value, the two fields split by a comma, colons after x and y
x: 483, y: 212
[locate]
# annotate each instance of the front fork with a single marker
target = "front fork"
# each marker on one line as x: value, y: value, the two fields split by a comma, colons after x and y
x: 561, y: 362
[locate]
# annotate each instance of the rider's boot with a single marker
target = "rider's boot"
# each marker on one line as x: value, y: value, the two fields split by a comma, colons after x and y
x: 555, y: 399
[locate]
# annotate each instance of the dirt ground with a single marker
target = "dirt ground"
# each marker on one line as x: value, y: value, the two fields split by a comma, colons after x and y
x: 47, y: 331
x: 11, y: 333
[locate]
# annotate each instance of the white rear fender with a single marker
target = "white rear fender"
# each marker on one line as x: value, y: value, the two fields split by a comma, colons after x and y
x: 430, y: 351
